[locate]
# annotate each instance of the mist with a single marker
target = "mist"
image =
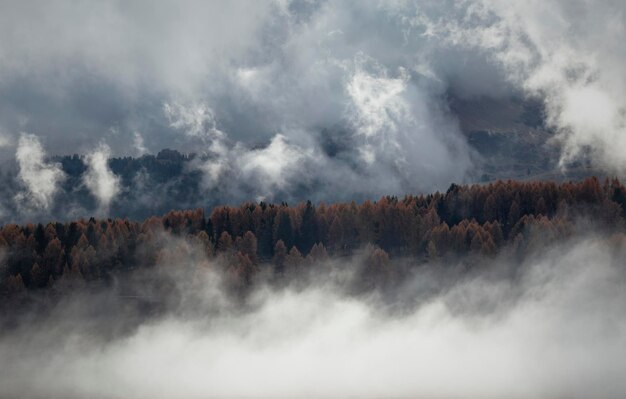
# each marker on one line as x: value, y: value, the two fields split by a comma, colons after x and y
x: 133, y: 110
x: 38, y: 177
x: 99, y: 179
x: 550, y: 326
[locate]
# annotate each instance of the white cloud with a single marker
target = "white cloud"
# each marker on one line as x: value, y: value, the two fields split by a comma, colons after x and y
x: 555, y: 330
x: 39, y: 177
x: 5, y: 140
x: 377, y: 102
x: 273, y: 165
x: 398, y: 130
x: 196, y: 120
x: 99, y: 178
x: 139, y: 144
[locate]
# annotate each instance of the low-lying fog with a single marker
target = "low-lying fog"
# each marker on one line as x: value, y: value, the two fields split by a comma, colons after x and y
x: 553, y: 327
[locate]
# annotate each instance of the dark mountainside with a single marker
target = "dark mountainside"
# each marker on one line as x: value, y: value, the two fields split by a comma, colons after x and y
x: 513, y: 140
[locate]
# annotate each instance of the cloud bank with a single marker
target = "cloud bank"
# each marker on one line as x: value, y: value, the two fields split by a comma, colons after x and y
x: 282, y: 99
x: 271, y: 79
x: 555, y: 330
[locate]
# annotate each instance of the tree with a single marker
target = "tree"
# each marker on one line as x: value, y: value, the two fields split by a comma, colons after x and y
x: 540, y: 207
x: 318, y: 253
x: 280, y: 256
x: 14, y: 284
x: 284, y: 228
x: 39, y: 276
x: 335, y: 235
x: 54, y: 257
x: 495, y: 230
x: 40, y: 238
x: 225, y: 243
x: 490, y: 210
x: 440, y: 238
x: 293, y: 261
x: 489, y: 247
x: 264, y: 232
x: 84, y: 260
x: 245, y: 269
x: 207, y: 245
x: 476, y: 243
x: 514, y: 215
x: 248, y: 246
x: 308, y: 230
x: 430, y: 219
x: 431, y: 250
x: 220, y: 220
x: 378, y: 270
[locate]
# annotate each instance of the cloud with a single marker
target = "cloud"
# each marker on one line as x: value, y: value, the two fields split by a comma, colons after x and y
x: 555, y: 330
x: 278, y: 69
x: 196, y: 120
x: 377, y: 102
x: 99, y: 179
x: 5, y: 140
x: 39, y: 177
x: 235, y: 168
x: 569, y: 53
x: 273, y: 165
x: 398, y: 130
x: 139, y: 144
x: 75, y: 70
x: 358, y: 92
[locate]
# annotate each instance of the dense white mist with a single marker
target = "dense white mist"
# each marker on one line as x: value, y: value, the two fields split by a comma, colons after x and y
x: 39, y: 178
x: 99, y: 179
x: 557, y: 330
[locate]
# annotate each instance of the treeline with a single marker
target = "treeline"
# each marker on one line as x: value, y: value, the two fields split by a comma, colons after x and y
x: 148, y: 185
x: 464, y: 221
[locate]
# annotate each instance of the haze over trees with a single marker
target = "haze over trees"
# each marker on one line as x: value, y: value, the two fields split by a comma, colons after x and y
x: 476, y: 220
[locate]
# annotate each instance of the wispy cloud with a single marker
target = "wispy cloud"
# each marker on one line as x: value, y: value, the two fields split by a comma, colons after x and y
x: 99, y: 179
x: 39, y: 177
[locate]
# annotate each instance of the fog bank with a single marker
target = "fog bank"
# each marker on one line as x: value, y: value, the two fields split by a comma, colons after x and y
x: 556, y: 329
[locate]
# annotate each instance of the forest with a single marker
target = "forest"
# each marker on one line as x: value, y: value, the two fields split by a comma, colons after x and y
x: 473, y: 222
